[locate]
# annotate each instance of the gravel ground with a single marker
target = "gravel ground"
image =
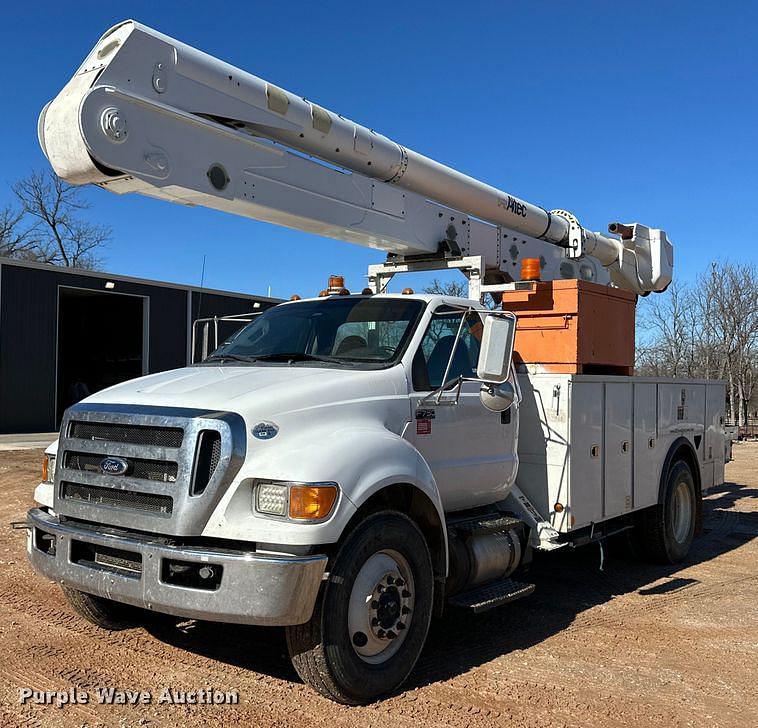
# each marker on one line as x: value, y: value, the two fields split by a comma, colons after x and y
x: 635, y: 645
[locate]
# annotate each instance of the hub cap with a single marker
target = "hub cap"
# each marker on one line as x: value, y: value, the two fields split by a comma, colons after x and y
x: 681, y: 512
x: 381, y: 606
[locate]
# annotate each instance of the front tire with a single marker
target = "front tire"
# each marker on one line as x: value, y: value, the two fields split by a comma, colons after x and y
x: 372, y: 615
x: 669, y: 527
x: 104, y: 613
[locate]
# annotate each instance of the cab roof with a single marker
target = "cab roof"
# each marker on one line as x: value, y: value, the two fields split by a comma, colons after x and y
x: 424, y: 297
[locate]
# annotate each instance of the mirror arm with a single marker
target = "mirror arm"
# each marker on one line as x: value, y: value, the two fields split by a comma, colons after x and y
x: 436, y: 395
x: 464, y: 316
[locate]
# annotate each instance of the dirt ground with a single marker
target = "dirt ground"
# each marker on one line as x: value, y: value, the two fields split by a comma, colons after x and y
x: 635, y: 645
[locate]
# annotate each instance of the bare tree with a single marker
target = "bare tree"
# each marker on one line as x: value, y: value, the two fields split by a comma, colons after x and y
x: 63, y: 237
x: 670, y: 328
x: 16, y: 240
x: 458, y: 289
x: 708, y: 329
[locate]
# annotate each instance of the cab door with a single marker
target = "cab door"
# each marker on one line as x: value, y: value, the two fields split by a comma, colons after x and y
x: 470, y: 450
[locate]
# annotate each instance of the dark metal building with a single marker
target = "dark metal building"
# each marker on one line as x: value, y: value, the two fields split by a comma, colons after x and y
x: 65, y: 333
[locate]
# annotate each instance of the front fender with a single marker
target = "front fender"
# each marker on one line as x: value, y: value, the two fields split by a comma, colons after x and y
x: 44, y: 492
x: 361, y: 459
x: 394, y: 461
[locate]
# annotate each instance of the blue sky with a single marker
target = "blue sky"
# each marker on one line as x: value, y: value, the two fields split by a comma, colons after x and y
x: 640, y: 111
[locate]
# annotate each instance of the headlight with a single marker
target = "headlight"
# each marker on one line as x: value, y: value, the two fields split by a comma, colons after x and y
x: 271, y: 498
x: 297, y: 501
x: 48, y: 468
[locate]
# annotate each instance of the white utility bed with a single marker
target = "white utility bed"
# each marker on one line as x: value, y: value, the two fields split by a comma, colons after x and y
x: 596, y: 444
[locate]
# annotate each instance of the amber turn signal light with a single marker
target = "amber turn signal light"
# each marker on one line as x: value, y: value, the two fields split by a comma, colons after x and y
x: 312, y: 502
x: 45, y: 465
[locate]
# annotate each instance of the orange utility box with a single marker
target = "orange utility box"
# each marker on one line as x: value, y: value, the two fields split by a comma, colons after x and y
x: 573, y: 326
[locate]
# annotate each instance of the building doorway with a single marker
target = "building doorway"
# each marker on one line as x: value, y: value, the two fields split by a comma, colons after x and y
x: 102, y: 340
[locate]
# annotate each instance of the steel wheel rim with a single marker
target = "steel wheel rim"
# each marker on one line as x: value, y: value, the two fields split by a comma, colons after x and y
x: 681, y: 512
x: 380, y: 608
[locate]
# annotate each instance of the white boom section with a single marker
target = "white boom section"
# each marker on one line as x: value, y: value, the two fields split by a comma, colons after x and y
x: 145, y: 113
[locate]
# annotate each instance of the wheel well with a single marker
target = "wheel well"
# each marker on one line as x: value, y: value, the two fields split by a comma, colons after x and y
x: 415, y: 504
x: 682, y: 449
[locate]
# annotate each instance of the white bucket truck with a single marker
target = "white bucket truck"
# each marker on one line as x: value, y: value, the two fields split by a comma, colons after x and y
x: 346, y: 465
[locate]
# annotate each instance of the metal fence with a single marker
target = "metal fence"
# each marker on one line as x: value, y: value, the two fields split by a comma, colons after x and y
x: 748, y: 431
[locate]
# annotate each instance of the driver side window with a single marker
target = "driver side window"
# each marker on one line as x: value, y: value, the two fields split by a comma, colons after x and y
x: 434, y: 353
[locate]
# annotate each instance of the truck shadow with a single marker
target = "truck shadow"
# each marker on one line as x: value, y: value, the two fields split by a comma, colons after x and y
x: 568, y: 583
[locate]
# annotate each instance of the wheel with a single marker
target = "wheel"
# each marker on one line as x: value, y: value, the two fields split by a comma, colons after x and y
x: 372, y: 615
x: 104, y: 613
x: 669, y: 527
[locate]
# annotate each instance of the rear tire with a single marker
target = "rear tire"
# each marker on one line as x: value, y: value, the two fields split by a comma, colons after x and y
x: 104, y: 613
x: 372, y: 615
x: 669, y: 527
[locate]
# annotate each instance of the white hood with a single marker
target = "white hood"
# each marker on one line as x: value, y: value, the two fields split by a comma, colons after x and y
x: 255, y: 390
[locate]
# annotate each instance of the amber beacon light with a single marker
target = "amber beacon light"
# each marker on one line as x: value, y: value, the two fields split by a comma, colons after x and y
x: 530, y: 269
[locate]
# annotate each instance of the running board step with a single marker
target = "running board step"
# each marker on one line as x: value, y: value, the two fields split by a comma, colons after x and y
x: 481, y: 525
x: 489, y: 596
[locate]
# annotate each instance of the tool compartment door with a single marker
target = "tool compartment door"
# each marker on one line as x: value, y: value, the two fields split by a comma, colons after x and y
x: 646, y: 450
x: 617, y: 445
x: 585, y: 457
x: 715, y: 451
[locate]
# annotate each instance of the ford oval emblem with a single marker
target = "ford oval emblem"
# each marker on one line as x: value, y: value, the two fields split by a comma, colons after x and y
x: 265, y: 430
x: 114, y: 466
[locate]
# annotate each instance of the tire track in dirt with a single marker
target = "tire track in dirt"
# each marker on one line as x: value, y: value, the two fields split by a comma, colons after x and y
x: 104, y: 646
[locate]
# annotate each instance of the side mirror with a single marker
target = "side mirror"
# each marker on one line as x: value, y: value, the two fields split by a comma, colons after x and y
x: 497, y: 348
x: 497, y: 397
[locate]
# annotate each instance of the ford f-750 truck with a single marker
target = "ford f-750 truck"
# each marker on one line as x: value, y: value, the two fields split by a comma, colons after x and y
x: 348, y: 466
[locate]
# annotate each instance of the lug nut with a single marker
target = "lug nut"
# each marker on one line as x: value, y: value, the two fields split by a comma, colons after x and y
x: 399, y: 626
x: 360, y: 639
x: 399, y: 582
x: 390, y: 580
x: 391, y: 635
x: 374, y: 622
x: 406, y: 594
x: 405, y: 610
x: 374, y: 604
x: 380, y: 634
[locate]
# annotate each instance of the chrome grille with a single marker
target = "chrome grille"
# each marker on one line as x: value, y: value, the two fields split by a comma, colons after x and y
x: 162, y: 471
x: 207, y: 455
x: 95, y: 495
x: 132, y: 434
x: 179, y: 462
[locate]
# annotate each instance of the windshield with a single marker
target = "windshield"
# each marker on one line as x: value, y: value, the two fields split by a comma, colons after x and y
x: 358, y: 332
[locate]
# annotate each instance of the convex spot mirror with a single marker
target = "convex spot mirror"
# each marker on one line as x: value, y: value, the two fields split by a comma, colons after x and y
x: 497, y: 397
x: 497, y: 348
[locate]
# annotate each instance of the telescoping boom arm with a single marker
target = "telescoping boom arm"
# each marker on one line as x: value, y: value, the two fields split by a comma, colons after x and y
x: 145, y: 113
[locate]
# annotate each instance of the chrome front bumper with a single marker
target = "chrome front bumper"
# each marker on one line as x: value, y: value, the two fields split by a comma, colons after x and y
x: 253, y: 588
